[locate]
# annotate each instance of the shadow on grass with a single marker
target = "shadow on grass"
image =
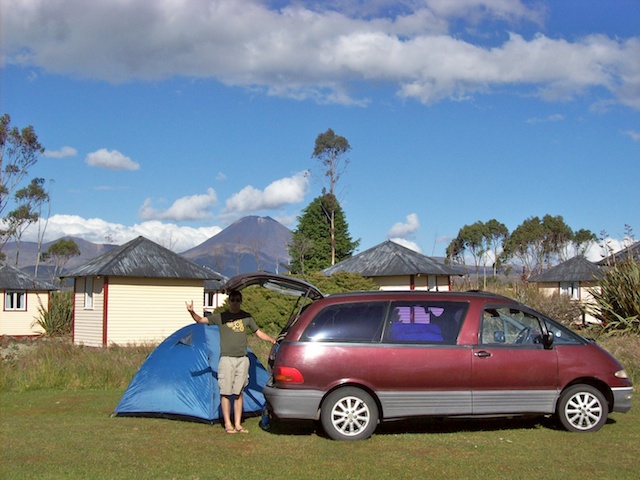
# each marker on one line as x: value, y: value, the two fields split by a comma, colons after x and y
x: 432, y: 425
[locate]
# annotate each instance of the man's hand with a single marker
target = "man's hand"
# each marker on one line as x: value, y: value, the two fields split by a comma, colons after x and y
x: 193, y: 313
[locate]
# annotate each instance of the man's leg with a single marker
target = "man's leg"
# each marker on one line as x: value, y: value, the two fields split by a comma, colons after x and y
x: 225, y: 404
x: 237, y: 412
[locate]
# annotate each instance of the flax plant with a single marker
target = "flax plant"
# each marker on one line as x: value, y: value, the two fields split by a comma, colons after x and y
x: 617, y: 299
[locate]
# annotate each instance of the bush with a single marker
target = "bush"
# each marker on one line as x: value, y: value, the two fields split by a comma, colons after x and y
x: 58, y: 319
x: 556, y: 306
x: 272, y: 310
x: 617, y: 299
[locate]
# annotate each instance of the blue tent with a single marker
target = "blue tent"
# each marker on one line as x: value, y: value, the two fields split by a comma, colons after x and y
x: 179, y: 379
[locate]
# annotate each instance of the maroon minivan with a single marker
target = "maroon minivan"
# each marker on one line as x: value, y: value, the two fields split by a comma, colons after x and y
x: 355, y: 359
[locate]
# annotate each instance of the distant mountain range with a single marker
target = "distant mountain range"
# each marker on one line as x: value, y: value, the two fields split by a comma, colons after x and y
x: 250, y: 244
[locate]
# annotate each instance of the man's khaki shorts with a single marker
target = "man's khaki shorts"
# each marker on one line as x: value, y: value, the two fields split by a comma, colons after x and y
x: 233, y: 375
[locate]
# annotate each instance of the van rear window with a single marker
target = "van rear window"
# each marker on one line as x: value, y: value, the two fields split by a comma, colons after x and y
x: 354, y: 322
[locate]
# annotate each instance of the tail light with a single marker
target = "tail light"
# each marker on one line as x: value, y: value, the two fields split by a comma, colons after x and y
x: 287, y: 375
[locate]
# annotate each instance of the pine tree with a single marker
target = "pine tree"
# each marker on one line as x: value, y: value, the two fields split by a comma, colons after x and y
x: 310, y: 248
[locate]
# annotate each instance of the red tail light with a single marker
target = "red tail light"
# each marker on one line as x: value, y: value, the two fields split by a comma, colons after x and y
x: 287, y: 375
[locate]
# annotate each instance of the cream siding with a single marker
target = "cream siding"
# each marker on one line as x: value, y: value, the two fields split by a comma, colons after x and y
x: 22, y: 322
x: 421, y: 282
x: 87, y: 324
x: 586, y: 298
x: 140, y: 310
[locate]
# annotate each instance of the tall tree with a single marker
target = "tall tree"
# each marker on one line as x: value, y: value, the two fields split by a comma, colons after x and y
x: 526, y: 245
x: 30, y: 200
x: 19, y: 151
x: 311, y: 244
x: 495, y: 235
x: 472, y: 239
x: 331, y: 150
x: 59, y: 253
x: 538, y: 244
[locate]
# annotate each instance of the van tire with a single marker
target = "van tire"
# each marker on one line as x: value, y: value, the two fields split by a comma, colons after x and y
x: 349, y: 413
x: 582, y: 408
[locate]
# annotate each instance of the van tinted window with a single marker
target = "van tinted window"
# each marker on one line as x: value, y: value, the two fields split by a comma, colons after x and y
x: 353, y: 322
x: 425, y: 322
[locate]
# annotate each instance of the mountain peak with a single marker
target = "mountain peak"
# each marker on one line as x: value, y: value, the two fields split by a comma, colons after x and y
x: 249, y: 244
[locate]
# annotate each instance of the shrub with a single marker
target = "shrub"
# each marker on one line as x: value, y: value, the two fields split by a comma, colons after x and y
x: 617, y: 299
x: 556, y: 306
x: 58, y: 319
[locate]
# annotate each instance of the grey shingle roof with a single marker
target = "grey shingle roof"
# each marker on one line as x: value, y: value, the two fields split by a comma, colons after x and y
x: 576, y: 269
x: 390, y: 258
x: 143, y: 258
x: 14, y: 279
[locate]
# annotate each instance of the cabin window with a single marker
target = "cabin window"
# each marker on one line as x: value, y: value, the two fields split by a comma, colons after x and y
x: 88, y: 293
x: 14, y: 300
x: 570, y: 289
x: 209, y: 300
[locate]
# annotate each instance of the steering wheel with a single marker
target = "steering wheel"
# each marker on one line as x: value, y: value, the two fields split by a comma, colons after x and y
x: 523, y: 336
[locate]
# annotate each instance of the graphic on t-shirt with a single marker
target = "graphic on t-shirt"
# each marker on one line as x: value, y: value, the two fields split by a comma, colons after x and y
x: 237, y: 326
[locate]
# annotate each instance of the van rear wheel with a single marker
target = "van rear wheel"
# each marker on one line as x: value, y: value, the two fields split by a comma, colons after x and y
x: 349, y: 413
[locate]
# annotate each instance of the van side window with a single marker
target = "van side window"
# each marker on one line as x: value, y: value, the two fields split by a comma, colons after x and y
x: 352, y: 322
x: 510, y: 326
x: 425, y: 322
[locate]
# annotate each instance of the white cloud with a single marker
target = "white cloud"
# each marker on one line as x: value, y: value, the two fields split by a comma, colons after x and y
x: 304, y: 52
x: 403, y: 230
x: 597, y: 252
x: 64, y: 152
x: 407, y: 243
x: 112, y: 160
x: 551, y: 118
x: 635, y: 136
x: 194, y: 207
x: 282, y: 192
x: 97, y: 230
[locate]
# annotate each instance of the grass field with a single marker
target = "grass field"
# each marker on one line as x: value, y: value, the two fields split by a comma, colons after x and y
x: 56, y: 402
x: 71, y: 435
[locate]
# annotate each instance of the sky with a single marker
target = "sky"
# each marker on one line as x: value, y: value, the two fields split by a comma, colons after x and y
x: 171, y: 119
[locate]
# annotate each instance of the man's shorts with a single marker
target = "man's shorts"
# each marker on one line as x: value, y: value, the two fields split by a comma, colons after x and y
x: 233, y: 375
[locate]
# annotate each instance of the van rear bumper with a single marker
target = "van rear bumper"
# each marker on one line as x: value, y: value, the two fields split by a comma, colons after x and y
x: 622, y: 399
x: 289, y: 403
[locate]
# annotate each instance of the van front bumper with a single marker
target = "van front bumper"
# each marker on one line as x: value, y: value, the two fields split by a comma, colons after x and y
x: 622, y: 399
x: 290, y: 403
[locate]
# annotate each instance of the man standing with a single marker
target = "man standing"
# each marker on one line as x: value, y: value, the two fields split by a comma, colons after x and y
x: 233, y: 369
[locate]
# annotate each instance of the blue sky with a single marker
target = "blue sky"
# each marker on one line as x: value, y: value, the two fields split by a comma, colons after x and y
x: 172, y: 119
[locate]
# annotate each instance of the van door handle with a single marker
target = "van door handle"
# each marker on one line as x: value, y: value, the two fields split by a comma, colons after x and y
x: 482, y: 354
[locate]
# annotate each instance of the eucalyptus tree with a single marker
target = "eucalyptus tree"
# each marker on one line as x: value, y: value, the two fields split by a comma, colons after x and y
x: 537, y: 243
x: 58, y: 254
x: 331, y: 150
x: 19, y: 151
x: 495, y: 234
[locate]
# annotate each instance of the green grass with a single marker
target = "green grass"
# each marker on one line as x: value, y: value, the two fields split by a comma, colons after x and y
x: 56, y: 401
x: 66, y: 434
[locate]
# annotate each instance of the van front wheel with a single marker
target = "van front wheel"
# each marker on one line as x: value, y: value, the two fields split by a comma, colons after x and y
x: 582, y: 408
x: 349, y: 413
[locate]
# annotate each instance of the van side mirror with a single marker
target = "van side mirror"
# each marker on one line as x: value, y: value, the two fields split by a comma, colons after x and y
x: 547, y: 340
